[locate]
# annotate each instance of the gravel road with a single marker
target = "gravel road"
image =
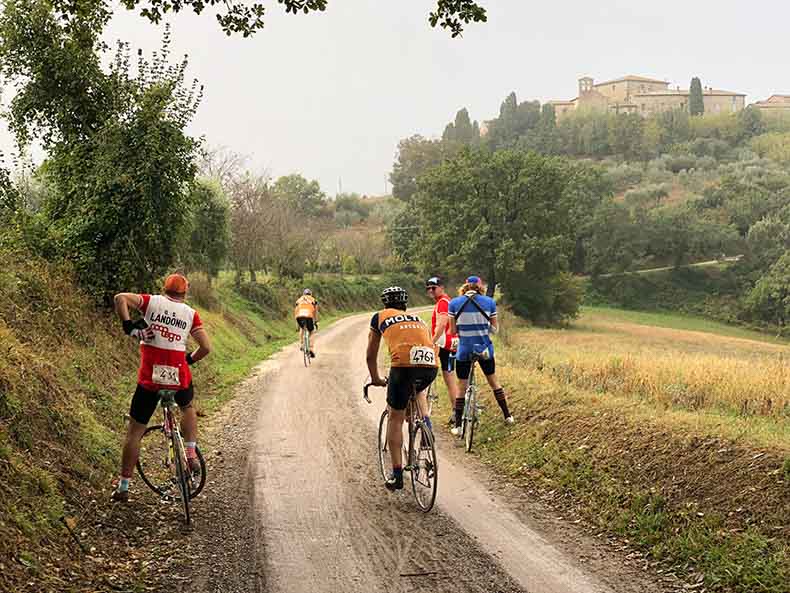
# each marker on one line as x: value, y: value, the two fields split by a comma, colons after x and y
x: 296, y: 503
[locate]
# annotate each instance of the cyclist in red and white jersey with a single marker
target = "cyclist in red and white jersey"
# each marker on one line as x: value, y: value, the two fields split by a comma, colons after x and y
x: 164, y: 364
x: 442, y: 337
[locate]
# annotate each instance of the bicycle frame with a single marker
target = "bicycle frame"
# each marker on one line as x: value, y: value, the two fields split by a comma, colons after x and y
x: 471, y: 407
x: 176, y: 457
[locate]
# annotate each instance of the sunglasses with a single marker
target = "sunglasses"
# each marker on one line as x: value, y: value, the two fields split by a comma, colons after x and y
x: 431, y: 287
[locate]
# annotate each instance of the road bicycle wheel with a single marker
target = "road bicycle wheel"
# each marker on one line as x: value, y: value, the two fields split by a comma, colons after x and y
x: 182, y: 474
x: 471, y: 418
x: 432, y: 398
x: 156, y: 466
x: 306, y: 348
x: 385, y: 463
x: 424, y: 467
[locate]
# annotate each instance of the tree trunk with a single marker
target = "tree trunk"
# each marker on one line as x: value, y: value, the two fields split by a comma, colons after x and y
x: 253, y: 279
x: 491, y: 283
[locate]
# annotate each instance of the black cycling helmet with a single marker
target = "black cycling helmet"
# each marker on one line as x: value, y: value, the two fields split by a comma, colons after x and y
x: 395, y: 297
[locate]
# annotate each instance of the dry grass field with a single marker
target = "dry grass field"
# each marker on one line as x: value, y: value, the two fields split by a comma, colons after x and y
x: 671, y: 432
x: 670, y: 363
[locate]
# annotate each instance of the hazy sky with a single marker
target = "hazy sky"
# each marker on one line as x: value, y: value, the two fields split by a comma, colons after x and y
x: 330, y: 94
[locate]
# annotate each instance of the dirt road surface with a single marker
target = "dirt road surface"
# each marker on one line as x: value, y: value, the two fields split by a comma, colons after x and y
x: 324, y: 522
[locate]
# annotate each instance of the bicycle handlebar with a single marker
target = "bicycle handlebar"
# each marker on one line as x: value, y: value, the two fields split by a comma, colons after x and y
x: 365, y: 390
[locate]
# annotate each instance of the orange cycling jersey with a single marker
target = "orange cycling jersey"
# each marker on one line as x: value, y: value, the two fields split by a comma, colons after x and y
x: 305, y: 307
x: 407, y: 338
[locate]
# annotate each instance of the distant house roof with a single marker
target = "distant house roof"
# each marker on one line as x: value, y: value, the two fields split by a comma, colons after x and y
x: 779, y: 101
x: 685, y: 92
x: 632, y: 77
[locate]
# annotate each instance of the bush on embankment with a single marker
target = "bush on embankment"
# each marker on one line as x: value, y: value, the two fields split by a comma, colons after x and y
x: 276, y: 296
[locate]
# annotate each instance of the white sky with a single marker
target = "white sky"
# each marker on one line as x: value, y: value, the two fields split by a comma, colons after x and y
x: 330, y: 94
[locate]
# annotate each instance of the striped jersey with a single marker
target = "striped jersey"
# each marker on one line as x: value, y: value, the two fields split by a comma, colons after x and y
x: 473, y: 327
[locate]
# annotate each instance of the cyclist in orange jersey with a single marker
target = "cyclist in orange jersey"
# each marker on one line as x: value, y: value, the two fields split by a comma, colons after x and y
x: 413, y: 368
x: 306, y: 315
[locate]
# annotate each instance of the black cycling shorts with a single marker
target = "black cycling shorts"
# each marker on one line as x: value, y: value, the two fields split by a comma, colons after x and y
x: 144, y: 402
x: 447, y: 358
x: 306, y: 322
x: 463, y: 368
x: 405, y: 380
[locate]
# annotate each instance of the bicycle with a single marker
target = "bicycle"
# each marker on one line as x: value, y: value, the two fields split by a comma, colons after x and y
x: 306, y: 347
x: 472, y: 409
x: 167, y: 473
x: 420, y: 454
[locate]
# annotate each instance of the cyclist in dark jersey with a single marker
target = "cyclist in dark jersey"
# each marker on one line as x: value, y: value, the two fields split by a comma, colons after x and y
x: 413, y: 368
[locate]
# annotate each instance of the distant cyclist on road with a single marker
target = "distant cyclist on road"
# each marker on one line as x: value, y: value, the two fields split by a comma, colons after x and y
x: 164, y: 364
x: 413, y: 368
x: 441, y: 335
x: 306, y: 315
x: 473, y: 316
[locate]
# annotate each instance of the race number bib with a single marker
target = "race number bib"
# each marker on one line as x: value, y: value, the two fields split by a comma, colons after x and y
x: 423, y: 355
x: 165, y: 375
x: 454, y: 344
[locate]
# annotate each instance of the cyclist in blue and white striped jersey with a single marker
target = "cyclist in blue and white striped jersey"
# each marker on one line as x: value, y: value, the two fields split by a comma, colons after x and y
x: 473, y: 317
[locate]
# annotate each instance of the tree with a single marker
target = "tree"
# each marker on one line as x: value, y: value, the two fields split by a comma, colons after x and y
x: 248, y: 18
x: 769, y: 300
x: 303, y: 196
x: 415, y: 156
x: 461, y: 130
x: 210, y: 232
x: 223, y: 165
x: 696, y: 100
x: 750, y: 123
x: 615, y: 240
x: 515, y: 121
x: 508, y: 216
x: 252, y: 212
x: 626, y: 133
x: 119, y: 161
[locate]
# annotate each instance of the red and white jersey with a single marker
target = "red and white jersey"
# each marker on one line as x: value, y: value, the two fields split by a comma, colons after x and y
x: 450, y: 341
x: 163, y: 363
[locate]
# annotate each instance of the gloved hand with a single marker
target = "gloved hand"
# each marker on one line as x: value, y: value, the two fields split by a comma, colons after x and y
x: 144, y: 335
x: 138, y: 329
x: 190, y: 360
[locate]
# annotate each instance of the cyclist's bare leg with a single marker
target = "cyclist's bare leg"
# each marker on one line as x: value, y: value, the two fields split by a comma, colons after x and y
x: 312, y: 341
x: 189, y: 424
x: 395, y: 436
x: 131, y: 448
x: 301, y: 338
x: 499, y: 394
x: 422, y: 403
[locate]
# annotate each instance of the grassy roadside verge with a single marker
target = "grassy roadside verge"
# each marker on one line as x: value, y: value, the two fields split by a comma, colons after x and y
x: 704, y: 491
x: 66, y: 378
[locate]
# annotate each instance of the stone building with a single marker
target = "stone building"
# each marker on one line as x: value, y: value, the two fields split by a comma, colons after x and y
x: 775, y: 105
x: 642, y: 95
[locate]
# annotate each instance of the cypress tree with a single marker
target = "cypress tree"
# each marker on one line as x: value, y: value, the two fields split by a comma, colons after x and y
x: 696, y: 102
